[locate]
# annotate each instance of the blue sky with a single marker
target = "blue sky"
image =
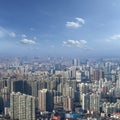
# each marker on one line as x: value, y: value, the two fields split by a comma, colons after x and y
x: 60, y: 27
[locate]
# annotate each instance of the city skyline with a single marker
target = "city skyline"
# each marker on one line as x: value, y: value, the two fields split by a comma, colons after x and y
x: 60, y: 28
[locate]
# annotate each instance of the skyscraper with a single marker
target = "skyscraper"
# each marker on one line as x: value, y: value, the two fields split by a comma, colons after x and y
x: 45, y: 100
x: 98, y: 74
x: 85, y: 101
x: 67, y: 104
x: 14, y: 105
x: 42, y: 99
x: 94, y: 102
x: 118, y: 86
x: 22, y: 106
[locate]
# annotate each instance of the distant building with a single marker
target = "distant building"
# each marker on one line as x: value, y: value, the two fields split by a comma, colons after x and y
x: 98, y: 74
x: 75, y: 62
x: 118, y: 86
x: 72, y: 72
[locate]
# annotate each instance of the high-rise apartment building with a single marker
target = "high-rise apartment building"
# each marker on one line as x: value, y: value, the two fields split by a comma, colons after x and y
x: 98, y: 74
x: 22, y: 106
x: 85, y: 101
x: 118, y: 86
x: 94, y: 102
x: 67, y: 103
x: 45, y: 100
x: 14, y: 105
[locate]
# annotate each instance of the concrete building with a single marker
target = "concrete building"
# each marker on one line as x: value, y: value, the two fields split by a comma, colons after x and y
x: 45, y: 100
x: 67, y: 103
x: 94, y: 102
x: 85, y: 101
x: 22, y: 106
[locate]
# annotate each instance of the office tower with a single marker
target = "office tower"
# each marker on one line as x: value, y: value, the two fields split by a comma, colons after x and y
x: 85, y: 101
x: 94, y: 102
x: 45, y: 100
x: 67, y: 103
x: 22, y: 106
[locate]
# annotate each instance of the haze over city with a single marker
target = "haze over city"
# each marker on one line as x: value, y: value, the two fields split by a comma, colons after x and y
x: 59, y: 60
x: 60, y: 28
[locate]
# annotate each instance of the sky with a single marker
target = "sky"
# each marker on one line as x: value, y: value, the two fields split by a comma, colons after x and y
x: 60, y: 27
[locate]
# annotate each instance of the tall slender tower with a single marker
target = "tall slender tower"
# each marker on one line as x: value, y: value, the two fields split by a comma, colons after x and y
x: 118, y: 86
x: 85, y: 101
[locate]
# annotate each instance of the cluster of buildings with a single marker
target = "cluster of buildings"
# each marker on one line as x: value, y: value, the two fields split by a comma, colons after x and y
x: 60, y: 89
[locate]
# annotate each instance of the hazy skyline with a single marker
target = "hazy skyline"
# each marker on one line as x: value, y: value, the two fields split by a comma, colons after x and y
x: 60, y: 27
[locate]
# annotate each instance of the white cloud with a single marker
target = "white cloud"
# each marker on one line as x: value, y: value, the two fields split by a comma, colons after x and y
x: 76, y: 24
x: 27, y: 41
x: 12, y: 35
x: 81, y: 20
x: 72, y: 24
x: 113, y: 37
x: 74, y: 43
x: 6, y: 33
